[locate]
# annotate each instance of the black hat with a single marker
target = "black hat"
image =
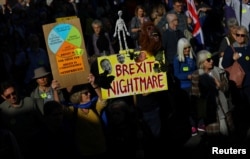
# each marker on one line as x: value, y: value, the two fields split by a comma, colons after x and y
x: 78, y: 88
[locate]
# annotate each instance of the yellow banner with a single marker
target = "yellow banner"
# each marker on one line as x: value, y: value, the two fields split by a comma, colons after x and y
x: 134, y: 73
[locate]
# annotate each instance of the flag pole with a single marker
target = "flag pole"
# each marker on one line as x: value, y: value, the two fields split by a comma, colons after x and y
x: 240, y: 11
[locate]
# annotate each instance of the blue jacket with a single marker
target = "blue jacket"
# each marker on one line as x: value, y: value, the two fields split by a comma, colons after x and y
x: 183, y: 69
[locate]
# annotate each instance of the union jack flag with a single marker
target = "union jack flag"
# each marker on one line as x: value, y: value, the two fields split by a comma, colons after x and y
x: 197, y: 31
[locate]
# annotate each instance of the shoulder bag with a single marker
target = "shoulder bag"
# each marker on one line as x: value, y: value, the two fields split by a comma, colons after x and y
x: 236, y: 73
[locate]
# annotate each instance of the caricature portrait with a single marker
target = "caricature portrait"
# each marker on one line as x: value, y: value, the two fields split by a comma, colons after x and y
x: 120, y: 58
x: 106, y: 65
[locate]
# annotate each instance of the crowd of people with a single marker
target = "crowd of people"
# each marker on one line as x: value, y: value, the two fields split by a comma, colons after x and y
x: 39, y: 119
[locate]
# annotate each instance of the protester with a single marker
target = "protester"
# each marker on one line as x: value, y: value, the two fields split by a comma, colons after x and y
x: 122, y: 130
x: 136, y: 22
x: 46, y: 85
x: 99, y: 42
x: 36, y: 57
x: 184, y: 65
x: 228, y: 40
x: 89, y: 119
x: 20, y: 115
x: 158, y: 16
x: 240, y: 51
x: 55, y: 137
x: 149, y: 103
x: 184, y: 21
x: 170, y: 38
x: 46, y: 89
x: 208, y: 95
x: 8, y: 144
x: 241, y: 16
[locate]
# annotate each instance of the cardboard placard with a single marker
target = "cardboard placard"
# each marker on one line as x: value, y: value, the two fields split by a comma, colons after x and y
x: 2, y: 2
x: 67, y: 52
x: 62, y: 19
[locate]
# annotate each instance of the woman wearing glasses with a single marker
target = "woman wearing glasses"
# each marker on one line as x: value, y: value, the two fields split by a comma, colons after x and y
x: 240, y: 51
x: 228, y: 40
x: 89, y: 117
x: 184, y: 65
x: 208, y: 95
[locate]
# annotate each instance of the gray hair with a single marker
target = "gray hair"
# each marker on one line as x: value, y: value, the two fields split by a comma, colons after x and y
x: 232, y: 22
x: 170, y: 17
x: 182, y: 43
x: 202, y: 56
x: 97, y: 22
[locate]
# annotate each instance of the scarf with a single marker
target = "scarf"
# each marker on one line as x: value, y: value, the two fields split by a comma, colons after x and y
x: 89, y: 104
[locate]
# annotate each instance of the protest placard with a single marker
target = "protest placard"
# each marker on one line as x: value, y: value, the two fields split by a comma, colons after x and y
x: 134, y: 73
x: 67, y: 52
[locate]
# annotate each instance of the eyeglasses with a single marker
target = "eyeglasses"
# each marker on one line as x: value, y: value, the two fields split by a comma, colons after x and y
x: 241, y: 35
x: 9, y: 95
x: 209, y: 60
x: 187, y: 47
